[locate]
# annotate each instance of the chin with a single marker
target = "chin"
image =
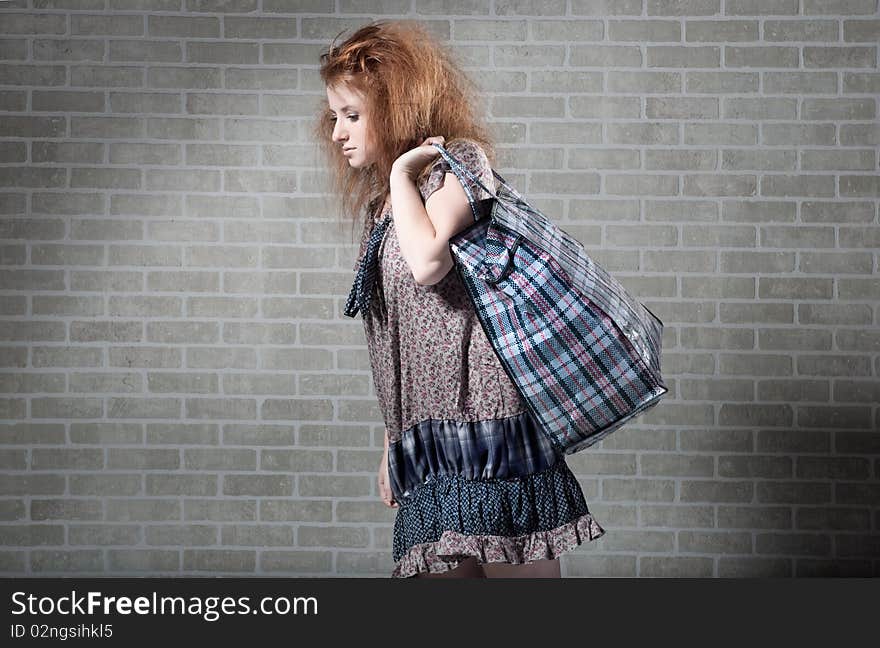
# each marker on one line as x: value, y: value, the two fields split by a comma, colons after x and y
x: 357, y: 164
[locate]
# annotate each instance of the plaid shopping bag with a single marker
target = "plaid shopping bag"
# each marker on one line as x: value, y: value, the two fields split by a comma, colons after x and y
x: 583, y: 353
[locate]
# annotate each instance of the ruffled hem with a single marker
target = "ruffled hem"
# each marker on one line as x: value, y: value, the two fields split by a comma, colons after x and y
x: 508, y: 508
x: 453, y: 547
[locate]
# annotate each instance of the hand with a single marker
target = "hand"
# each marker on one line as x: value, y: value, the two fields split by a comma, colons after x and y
x: 384, y: 488
x: 413, y: 161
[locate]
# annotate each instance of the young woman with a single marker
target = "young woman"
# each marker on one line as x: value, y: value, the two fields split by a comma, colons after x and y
x: 479, y: 490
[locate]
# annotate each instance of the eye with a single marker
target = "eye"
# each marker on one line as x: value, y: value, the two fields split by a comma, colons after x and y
x: 352, y: 116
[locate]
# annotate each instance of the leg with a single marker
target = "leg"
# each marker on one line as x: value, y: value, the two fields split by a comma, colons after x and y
x: 537, y: 569
x: 469, y: 568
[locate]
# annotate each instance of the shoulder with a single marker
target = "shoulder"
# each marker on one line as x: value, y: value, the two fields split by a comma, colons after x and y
x: 467, y: 152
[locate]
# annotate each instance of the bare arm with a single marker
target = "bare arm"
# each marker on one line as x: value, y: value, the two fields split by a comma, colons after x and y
x: 424, y: 230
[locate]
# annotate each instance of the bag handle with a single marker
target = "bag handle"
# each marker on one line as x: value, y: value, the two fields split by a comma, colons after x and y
x: 509, y: 266
x: 460, y: 171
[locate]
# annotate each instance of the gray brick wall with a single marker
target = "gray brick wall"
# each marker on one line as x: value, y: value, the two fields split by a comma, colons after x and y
x: 182, y: 395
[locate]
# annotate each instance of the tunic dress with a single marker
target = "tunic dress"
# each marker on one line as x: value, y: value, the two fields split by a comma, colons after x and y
x: 470, y: 470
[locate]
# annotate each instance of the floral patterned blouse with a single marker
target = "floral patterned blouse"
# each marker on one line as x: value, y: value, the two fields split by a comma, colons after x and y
x: 456, y: 422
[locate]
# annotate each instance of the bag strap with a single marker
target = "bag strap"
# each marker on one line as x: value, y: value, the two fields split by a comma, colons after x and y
x: 460, y: 171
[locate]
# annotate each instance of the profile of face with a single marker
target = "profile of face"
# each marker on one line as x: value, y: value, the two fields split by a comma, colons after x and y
x: 350, y: 121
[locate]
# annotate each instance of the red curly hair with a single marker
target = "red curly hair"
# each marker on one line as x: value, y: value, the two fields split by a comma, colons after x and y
x: 413, y: 88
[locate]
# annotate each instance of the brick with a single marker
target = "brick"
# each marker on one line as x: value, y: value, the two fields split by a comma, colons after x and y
x: 140, y: 560
x: 67, y: 561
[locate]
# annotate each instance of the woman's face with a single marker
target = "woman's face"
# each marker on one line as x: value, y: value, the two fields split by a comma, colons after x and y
x: 348, y: 113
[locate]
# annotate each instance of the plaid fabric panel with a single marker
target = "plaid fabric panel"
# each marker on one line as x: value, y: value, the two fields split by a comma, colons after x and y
x: 511, y: 211
x: 566, y: 356
x: 489, y: 449
x: 641, y: 326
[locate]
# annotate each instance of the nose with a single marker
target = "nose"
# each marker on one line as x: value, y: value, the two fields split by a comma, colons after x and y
x: 338, y: 130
